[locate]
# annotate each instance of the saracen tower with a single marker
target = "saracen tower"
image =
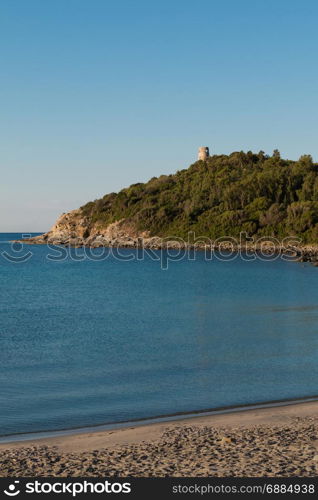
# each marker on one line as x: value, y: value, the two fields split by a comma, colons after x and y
x: 203, y: 153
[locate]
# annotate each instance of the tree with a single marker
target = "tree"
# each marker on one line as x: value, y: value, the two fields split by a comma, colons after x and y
x: 276, y: 154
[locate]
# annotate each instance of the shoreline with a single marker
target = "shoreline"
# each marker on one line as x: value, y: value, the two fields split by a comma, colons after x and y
x: 267, y: 250
x: 280, y: 441
x: 229, y: 415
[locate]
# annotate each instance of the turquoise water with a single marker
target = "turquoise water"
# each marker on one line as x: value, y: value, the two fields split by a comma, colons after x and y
x: 87, y: 342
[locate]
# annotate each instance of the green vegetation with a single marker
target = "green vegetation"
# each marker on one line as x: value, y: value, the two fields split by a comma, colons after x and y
x: 243, y: 192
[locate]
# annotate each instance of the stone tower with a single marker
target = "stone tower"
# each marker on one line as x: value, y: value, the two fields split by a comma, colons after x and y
x: 203, y: 153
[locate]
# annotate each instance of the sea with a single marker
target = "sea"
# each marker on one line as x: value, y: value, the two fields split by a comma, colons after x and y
x: 92, y: 337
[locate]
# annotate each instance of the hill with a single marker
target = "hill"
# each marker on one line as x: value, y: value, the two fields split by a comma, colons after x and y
x: 225, y: 195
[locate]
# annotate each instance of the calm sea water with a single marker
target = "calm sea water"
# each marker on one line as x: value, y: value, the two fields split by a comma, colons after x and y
x: 86, y: 342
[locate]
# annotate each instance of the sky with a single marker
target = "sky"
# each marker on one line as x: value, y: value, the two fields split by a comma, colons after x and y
x: 98, y: 94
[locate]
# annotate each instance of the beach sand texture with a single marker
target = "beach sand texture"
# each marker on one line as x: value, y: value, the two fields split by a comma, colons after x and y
x: 278, y: 441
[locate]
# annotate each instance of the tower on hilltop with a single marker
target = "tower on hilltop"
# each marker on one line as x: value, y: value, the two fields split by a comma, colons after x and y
x: 203, y: 153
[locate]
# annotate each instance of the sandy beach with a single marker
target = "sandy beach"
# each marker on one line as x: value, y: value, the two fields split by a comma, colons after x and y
x: 276, y: 441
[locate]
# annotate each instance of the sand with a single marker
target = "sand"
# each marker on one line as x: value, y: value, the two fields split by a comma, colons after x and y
x: 277, y: 441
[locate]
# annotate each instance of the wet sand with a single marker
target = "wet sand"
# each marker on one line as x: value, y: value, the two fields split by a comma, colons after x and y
x: 278, y: 441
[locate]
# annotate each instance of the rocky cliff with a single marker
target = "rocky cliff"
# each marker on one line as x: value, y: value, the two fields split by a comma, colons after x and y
x: 75, y: 229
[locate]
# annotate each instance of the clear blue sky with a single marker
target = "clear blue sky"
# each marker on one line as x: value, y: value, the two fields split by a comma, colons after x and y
x: 98, y: 94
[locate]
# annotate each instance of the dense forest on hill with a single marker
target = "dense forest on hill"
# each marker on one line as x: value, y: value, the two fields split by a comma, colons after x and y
x: 225, y: 195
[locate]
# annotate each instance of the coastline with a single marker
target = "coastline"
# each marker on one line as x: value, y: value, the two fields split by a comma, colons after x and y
x: 50, y: 435
x: 267, y: 249
x: 200, y: 445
